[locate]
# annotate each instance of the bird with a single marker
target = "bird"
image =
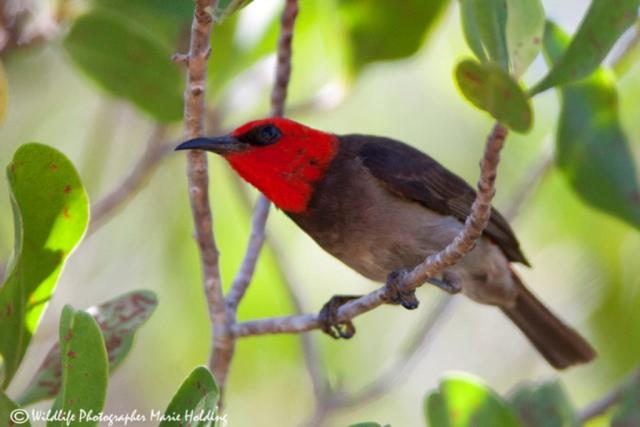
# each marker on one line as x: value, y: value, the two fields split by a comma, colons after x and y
x: 380, y: 206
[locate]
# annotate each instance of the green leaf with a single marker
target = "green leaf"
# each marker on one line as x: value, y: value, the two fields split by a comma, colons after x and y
x: 525, y: 29
x: 484, y: 24
x: 168, y: 22
x: 628, y: 411
x: 85, y: 368
x: 51, y: 210
x: 592, y: 149
x: 382, y: 30
x: 464, y: 401
x: 543, y: 405
x: 197, y: 397
x: 4, y: 93
x: 11, y: 414
x: 603, y: 24
x: 224, y: 8
x: 119, y: 319
x: 491, y: 89
x: 126, y: 60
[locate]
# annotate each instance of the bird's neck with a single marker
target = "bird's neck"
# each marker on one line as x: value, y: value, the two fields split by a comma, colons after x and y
x: 287, y: 175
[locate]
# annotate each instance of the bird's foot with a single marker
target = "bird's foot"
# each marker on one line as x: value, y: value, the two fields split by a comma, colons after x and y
x: 446, y: 285
x: 329, y: 318
x: 394, y: 295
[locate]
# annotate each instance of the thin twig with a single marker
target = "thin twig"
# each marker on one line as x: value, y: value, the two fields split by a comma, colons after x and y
x: 530, y: 182
x: 602, y: 405
x: 198, y: 177
x: 261, y: 211
x: 248, y: 266
x: 156, y: 150
x: 310, y: 352
x: 461, y: 245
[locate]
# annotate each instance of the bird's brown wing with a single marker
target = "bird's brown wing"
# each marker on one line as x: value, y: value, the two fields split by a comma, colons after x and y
x: 412, y: 174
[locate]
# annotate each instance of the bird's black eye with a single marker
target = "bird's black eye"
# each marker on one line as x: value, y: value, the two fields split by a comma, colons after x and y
x: 269, y: 134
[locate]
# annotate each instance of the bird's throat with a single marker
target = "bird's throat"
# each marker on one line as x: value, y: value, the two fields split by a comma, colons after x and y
x: 287, y: 173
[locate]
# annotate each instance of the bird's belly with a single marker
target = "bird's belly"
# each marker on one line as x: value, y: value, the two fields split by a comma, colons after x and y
x: 385, y: 237
x: 388, y: 237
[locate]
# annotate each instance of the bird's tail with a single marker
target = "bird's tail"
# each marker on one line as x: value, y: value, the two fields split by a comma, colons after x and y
x: 557, y: 342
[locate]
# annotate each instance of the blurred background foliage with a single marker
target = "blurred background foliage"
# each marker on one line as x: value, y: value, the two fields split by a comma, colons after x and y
x: 93, y: 79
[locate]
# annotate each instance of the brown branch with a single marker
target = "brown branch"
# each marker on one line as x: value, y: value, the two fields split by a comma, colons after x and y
x: 461, y: 245
x: 198, y: 177
x: 223, y: 313
x: 261, y: 211
x: 602, y: 405
x: 248, y: 266
x: 156, y: 150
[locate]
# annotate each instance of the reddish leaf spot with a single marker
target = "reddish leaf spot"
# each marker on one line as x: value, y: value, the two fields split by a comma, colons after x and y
x: 635, y: 197
x: 536, y: 40
x: 473, y: 77
x: 68, y: 335
x: 506, y: 94
x: 66, y: 213
x: 9, y: 310
x: 67, y: 189
x: 54, y: 167
x: 71, y: 354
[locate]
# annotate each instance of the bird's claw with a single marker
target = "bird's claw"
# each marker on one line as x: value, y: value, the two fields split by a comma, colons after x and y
x: 329, y: 318
x: 394, y: 295
x: 445, y: 285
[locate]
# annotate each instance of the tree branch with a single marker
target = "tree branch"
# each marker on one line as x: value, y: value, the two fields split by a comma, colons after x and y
x: 156, y: 150
x: 223, y: 312
x: 461, y: 245
x: 602, y: 405
x: 261, y: 211
x: 198, y: 177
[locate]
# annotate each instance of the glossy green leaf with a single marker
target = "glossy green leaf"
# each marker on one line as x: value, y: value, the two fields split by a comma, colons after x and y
x: 484, y: 24
x: 464, y: 401
x: 10, y: 414
x: 224, y: 8
x: 627, y: 413
x: 125, y: 59
x: 543, y: 405
x: 525, y: 29
x: 167, y: 22
x: 603, y: 24
x: 4, y: 93
x: 592, y: 149
x: 197, y: 399
x: 51, y: 210
x: 119, y: 319
x: 491, y: 89
x: 85, y: 368
x: 385, y: 30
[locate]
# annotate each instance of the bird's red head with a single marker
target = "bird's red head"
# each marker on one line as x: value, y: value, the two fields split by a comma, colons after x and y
x: 281, y: 158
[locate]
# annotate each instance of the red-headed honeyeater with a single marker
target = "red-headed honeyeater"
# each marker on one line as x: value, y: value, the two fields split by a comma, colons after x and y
x: 379, y: 205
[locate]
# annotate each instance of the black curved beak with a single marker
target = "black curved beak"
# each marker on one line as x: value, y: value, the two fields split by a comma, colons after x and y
x: 220, y: 144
